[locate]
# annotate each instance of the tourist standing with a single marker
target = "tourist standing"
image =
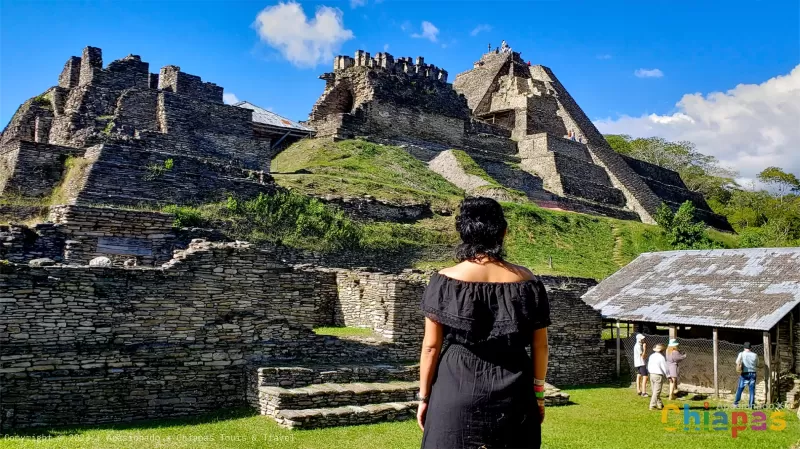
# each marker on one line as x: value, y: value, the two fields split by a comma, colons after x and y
x: 657, y: 367
x: 639, y: 351
x: 746, y: 365
x: 478, y: 385
x: 674, y: 357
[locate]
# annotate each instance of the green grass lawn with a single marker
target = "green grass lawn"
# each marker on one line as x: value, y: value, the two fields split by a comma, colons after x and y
x: 344, y: 331
x: 609, y: 417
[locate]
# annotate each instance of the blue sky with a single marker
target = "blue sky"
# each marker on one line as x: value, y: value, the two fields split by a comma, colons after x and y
x: 594, y: 47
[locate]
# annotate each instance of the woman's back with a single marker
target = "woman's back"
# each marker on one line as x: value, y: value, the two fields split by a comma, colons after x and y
x: 492, y: 272
x: 477, y: 381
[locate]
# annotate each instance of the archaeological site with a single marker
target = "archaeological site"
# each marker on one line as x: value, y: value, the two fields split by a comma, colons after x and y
x: 111, y: 310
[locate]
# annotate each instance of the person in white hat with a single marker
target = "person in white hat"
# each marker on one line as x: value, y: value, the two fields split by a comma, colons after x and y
x: 639, y: 352
x: 657, y: 367
x: 674, y: 357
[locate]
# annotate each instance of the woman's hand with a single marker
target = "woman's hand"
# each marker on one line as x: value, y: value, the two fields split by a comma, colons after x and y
x: 541, y: 410
x: 421, y: 411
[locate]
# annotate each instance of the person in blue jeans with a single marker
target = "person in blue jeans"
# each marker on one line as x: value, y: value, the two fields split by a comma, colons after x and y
x: 748, y: 360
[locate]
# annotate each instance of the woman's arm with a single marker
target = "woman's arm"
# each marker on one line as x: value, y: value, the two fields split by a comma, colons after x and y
x: 541, y: 353
x: 431, y: 347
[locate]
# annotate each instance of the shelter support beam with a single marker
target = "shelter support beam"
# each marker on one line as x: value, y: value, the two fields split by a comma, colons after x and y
x: 619, y: 353
x: 673, y: 331
x: 767, y: 368
x: 716, y: 362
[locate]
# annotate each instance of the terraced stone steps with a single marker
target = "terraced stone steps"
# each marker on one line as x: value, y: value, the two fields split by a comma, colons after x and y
x: 305, y: 397
x: 333, y: 395
x: 346, y: 415
x: 302, y: 397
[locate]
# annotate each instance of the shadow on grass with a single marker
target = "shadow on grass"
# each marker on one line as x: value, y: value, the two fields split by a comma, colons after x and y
x: 148, y: 424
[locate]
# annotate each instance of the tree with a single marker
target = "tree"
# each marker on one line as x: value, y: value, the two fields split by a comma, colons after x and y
x: 782, y: 182
x: 681, y: 228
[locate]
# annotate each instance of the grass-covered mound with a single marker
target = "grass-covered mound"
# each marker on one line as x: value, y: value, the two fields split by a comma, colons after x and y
x: 549, y: 242
x: 303, y: 222
x: 358, y: 168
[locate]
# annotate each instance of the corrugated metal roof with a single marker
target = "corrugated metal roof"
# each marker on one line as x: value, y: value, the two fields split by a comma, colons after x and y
x: 261, y: 115
x: 736, y: 288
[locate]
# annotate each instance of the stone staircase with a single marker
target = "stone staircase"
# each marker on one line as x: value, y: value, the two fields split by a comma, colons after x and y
x: 326, y: 396
x: 298, y: 397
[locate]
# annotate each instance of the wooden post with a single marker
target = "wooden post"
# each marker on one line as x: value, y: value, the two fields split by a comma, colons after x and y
x: 673, y: 332
x: 767, y: 369
x: 716, y: 363
x: 619, y: 353
x: 777, y: 367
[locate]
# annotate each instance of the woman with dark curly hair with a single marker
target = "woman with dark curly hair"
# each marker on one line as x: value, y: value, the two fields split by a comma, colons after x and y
x: 478, y: 385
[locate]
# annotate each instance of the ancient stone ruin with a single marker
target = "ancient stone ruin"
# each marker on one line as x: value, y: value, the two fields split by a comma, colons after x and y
x: 110, y: 313
x: 515, y: 120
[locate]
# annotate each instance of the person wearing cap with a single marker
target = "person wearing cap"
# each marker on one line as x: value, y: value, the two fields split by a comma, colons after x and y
x: 657, y: 367
x: 746, y: 364
x: 674, y: 357
x: 639, y: 351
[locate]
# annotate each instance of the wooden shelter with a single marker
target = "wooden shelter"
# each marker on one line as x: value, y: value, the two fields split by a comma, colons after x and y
x: 734, y: 290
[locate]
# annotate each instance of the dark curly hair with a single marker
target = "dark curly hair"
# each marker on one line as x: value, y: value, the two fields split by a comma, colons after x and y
x: 482, y: 226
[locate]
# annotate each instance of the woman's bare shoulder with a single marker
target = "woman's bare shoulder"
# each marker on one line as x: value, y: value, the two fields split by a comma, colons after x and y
x: 524, y: 273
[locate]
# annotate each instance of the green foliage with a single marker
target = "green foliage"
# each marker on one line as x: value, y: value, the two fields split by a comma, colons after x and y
x: 43, y: 100
x: 682, y: 230
x: 157, y: 170
x: 186, y: 216
x: 109, y: 127
x: 781, y: 181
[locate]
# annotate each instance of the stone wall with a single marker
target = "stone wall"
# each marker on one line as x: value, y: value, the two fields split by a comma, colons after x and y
x: 111, y: 344
x: 32, y: 169
x: 577, y: 353
x: 125, y: 175
x: 21, y: 244
x: 120, y: 235
x: 385, y: 303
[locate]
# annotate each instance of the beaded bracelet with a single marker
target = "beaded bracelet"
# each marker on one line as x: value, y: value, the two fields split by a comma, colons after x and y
x: 539, y: 394
x: 538, y: 381
x: 538, y: 388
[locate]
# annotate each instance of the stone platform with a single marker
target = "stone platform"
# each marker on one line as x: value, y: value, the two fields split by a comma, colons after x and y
x: 314, y: 397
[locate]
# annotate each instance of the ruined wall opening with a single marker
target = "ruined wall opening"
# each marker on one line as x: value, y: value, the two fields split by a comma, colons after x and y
x: 346, y: 102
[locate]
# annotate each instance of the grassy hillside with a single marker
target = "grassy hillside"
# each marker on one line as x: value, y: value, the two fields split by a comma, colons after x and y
x: 553, y: 242
x: 359, y: 168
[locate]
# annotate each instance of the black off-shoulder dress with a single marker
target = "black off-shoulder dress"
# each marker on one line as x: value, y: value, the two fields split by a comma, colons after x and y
x: 482, y: 393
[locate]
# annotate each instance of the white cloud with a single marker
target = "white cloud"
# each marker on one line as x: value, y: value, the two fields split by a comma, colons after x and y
x: 229, y: 98
x: 356, y: 3
x: 604, y: 56
x: 304, y: 42
x: 648, y: 73
x: 429, y: 31
x: 385, y: 47
x: 748, y: 128
x: 480, y: 28
x: 405, y: 25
